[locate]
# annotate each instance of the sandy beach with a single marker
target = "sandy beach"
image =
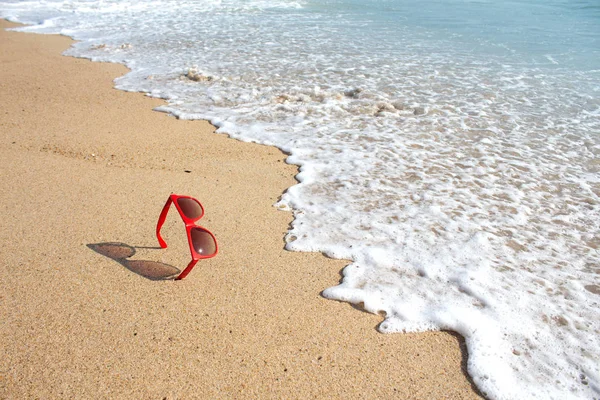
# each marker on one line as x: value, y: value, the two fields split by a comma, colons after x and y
x: 85, y: 171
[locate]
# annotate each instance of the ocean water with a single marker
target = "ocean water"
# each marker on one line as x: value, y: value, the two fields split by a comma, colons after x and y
x: 449, y: 148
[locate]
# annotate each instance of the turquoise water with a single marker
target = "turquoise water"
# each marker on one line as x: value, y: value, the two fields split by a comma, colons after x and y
x: 450, y: 149
x: 524, y: 31
x: 564, y: 32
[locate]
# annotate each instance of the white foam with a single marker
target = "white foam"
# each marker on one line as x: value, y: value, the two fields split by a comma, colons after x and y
x: 464, y: 187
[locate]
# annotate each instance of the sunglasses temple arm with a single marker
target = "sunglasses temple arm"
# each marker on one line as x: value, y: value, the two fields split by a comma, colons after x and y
x: 187, y: 270
x: 161, y: 221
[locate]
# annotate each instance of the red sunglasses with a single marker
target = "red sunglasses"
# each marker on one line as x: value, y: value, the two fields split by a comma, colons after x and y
x: 202, y: 242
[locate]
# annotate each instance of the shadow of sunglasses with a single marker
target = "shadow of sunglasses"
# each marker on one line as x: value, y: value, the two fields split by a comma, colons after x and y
x: 121, y: 252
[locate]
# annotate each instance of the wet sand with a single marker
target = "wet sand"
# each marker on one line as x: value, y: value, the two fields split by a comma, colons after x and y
x: 86, y: 313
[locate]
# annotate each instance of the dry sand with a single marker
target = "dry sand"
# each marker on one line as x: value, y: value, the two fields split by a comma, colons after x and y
x: 84, y: 164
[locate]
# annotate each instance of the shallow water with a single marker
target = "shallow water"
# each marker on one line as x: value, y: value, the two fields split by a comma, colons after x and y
x: 449, y: 148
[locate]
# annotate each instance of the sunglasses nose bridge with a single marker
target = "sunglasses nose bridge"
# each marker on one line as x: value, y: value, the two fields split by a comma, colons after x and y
x: 189, y: 221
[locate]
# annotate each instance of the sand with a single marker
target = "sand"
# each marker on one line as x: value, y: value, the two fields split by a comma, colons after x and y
x: 82, y: 165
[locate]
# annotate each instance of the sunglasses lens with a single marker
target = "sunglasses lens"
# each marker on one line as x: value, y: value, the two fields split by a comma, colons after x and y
x: 203, y: 242
x: 190, y: 208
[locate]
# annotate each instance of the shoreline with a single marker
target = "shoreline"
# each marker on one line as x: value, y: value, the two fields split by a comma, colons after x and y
x: 85, y: 165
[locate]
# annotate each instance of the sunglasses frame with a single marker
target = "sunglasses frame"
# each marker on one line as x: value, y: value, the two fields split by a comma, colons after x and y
x: 190, y: 223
